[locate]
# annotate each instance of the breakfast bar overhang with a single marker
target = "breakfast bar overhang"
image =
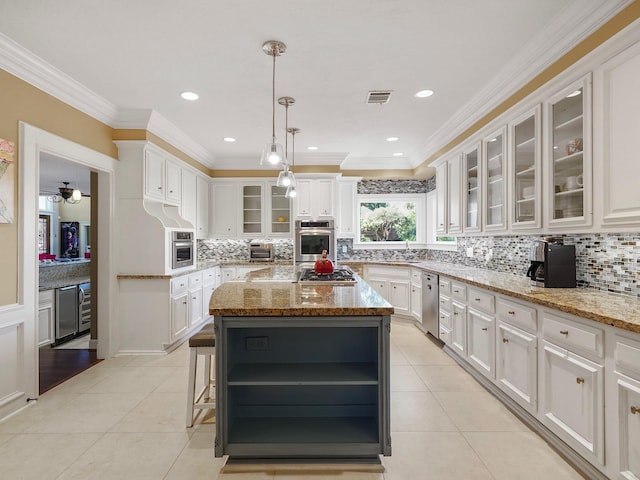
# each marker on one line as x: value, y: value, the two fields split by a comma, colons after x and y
x: 302, y: 371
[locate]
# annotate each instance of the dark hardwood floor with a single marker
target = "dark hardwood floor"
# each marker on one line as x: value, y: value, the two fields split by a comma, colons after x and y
x: 58, y: 365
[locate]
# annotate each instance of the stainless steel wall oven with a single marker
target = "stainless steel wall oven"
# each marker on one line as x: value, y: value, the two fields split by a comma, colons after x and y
x: 182, y: 249
x: 312, y: 237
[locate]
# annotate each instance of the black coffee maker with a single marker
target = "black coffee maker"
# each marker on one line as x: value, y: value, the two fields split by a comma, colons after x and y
x: 553, y: 264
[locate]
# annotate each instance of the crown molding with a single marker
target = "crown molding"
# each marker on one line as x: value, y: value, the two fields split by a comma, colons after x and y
x: 539, y: 53
x: 30, y: 68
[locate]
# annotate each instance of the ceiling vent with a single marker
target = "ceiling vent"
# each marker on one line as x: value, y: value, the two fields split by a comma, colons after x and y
x: 379, y: 97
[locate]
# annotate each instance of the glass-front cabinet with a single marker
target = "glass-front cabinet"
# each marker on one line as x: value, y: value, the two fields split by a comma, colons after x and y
x: 280, y: 210
x: 569, y: 153
x: 525, y: 185
x: 495, y: 191
x: 251, y: 209
x: 471, y: 172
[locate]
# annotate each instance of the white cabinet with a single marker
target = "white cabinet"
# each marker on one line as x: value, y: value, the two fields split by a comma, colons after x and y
x: 569, y: 156
x: 448, y: 196
x: 481, y: 342
x: 162, y: 177
x: 572, y: 386
x: 225, y: 200
x: 459, y: 328
x: 252, y: 209
x: 393, y: 283
x: 471, y: 183
x: 279, y: 209
x: 346, y: 214
x: 195, y: 299
x: 315, y: 198
x: 494, y: 182
x: 211, y: 279
x: 525, y: 186
x: 189, y: 201
x: 179, y: 306
x: 416, y: 294
x: 616, y: 103
x: 399, y: 296
x: 517, y: 352
x: 46, y: 317
x: 202, y: 207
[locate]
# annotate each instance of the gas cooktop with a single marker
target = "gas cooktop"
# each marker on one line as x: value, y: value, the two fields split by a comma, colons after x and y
x: 340, y: 276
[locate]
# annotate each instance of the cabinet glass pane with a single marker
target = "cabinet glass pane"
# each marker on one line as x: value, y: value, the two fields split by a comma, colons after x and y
x: 525, y: 170
x: 568, y: 198
x: 280, y: 210
x: 495, y: 180
x: 471, y: 165
x: 252, y: 209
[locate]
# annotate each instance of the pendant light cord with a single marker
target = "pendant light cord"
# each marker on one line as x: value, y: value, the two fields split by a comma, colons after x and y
x: 273, y: 97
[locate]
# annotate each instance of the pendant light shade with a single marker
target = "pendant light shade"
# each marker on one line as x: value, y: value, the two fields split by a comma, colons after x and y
x: 273, y: 153
x: 291, y: 189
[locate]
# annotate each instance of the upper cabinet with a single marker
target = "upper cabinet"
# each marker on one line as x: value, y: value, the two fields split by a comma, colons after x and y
x: 316, y: 198
x: 569, y: 155
x: 224, y: 198
x: 494, y: 182
x: 616, y: 106
x: 449, y: 193
x: 252, y: 208
x: 525, y: 187
x: 280, y: 210
x: 346, y: 218
x: 162, y: 177
x: 471, y: 183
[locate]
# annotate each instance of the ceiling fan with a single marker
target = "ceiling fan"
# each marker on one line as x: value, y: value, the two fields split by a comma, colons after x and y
x: 67, y: 194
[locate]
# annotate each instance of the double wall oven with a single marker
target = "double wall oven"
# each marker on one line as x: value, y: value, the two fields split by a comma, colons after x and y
x: 312, y: 237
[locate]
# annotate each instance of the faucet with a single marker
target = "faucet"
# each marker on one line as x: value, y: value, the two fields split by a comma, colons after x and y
x: 408, y: 253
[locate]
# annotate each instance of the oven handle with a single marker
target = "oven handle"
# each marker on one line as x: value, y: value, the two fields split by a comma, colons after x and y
x: 315, y: 231
x: 182, y: 244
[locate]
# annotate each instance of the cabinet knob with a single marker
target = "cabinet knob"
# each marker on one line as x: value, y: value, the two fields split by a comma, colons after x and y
x: 455, y: 313
x: 484, y: 329
x: 184, y: 303
x: 511, y: 313
x: 456, y: 291
x: 477, y: 299
x: 564, y: 332
x: 159, y: 188
x: 505, y: 340
x: 193, y: 298
x: 635, y: 410
x: 579, y: 380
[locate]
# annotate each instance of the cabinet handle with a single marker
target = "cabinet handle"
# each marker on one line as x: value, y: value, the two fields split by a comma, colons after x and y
x: 159, y: 188
x: 193, y: 298
x: 635, y: 410
x: 579, y: 380
x: 477, y: 299
x: 511, y: 313
x: 505, y: 340
x: 455, y: 313
x: 484, y: 329
x: 184, y: 303
x: 564, y: 332
x: 456, y: 291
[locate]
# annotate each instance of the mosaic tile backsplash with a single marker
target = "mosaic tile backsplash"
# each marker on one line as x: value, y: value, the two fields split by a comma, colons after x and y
x: 238, y: 249
x: 377, y: 187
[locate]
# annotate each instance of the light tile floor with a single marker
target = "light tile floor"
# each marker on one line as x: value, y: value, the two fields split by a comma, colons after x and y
x: 125, y: 419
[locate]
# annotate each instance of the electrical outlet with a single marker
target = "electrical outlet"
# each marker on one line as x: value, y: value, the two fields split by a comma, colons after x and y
x: 470, y: 252
x: 253, y: 344
x: 489, y: 255
x: 344, y: 249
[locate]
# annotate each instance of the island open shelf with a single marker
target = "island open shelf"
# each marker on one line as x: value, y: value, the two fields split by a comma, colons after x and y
x: 302, y: 386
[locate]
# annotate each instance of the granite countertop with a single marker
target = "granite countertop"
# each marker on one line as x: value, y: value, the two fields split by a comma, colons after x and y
x: 613, y: 309
x: 271, y: 291
x: 62, y: 282
x: 203, y: 265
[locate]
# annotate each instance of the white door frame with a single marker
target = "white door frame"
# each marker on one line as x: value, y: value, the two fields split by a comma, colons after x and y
x: 33, y: 141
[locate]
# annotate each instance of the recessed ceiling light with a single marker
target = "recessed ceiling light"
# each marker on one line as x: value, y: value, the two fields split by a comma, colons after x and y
x: 398, y: 154
x: 575, y: 93
x: 312, y: 148
x: 423, y: 93
x: 392, y: 139
x: 189, y: 95
x: 229, y: 139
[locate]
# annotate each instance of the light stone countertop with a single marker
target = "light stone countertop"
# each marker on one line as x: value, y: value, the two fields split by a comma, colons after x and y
x: 613, y: 309
x: 271, y: 292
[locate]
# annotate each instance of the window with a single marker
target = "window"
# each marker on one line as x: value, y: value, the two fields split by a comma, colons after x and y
x: 390, y: 220
x: 435, y: 241
x: 44, y: 234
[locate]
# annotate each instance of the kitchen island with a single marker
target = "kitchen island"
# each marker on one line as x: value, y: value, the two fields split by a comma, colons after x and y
x: 302, y: 370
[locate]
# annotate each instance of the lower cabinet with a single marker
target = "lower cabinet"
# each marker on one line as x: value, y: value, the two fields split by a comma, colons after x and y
x: 459, y: 328
x: 46, y: 317
x: 481, y: 342
x: 399, y: 291
x: 628, y: 427
x: 394, y: 284
x: 179, y: 315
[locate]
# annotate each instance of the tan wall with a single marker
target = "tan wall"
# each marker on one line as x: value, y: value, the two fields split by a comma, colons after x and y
x: 76, y: 212
x: 23, y: 102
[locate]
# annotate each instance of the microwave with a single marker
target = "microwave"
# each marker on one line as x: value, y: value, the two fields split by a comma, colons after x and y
x: 182, y: 249
x: 261, y: 252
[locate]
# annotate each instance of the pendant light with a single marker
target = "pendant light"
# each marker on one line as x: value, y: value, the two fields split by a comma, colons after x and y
x: 273, y: 154
x: 285, y: 178
x: 291, y: 189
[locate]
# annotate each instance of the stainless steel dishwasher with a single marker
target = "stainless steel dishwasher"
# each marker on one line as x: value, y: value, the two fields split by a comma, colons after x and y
x: 430, y: 317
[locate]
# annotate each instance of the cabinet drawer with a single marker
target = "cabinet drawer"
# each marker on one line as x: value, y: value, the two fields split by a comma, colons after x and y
x: 388, y: 272
x: 445, y: 286
x: 445, y: 334
x: 572, y: 335
x: 444, y: 304
x: 416, y: 276
x: 627, y: 356
x: 459, y: 291
x: 481, y: 300
x: 195, y: 280
x: 445, y: 319
x: 179, y: 285
x: 517, y: 315
x: 45, y: 297
x: 210, y: 276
